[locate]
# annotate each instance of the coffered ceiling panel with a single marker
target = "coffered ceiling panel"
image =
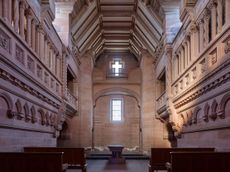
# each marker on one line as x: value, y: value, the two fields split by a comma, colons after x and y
x: 117, y: 25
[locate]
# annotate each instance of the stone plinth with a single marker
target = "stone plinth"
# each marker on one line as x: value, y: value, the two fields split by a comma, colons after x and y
x: 116, y: 154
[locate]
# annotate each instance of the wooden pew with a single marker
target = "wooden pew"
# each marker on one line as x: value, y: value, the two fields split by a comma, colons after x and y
x: 200, y: 161
x: 31, y: 162
x: 74, y: 157
x: 159, y: 156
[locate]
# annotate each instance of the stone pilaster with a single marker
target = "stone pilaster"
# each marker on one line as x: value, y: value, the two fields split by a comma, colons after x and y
x: 33, y: 34
x: 227, y: 11
x: 194, y: 41
x: 201, y: 34
x: 152, y: 128
x: 22, y: 7
x: 10, y: 11
x: 213, y: 8
x: 5, y: 4
x: 86, y: 99
x: 16, y: 15
x: 28, y: 26
x: 219, y: 14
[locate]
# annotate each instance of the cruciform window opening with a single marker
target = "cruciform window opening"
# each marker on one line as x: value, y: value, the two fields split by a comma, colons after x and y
x: 117, y: 66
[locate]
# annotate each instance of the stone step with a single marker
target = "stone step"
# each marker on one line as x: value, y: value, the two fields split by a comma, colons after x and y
x: 108, y: 155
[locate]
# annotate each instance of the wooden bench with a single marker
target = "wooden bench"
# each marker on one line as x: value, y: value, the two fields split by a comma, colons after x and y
x: 74, y: 157
x: 200, y: 161
x: 160, y: 156
x: 31, y: 162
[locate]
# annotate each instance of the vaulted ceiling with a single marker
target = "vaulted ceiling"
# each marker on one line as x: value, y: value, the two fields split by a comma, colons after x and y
x: 117, y: 25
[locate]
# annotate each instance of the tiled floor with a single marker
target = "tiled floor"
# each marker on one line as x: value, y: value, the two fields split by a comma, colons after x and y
x: 104, y: 166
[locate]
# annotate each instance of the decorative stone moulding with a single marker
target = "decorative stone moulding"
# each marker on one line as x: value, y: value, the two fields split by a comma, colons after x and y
x: 5, y: 75
x: 4, y: 41
x: 218, y: 82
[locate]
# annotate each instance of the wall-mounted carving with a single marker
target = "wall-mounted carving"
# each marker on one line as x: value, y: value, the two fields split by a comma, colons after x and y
x: 19, y: 55
x: 20, y: 114
x: 5, y: 75
x: 30, y: 64
x: 27, y: 112
x: 195, y: 113
x: 47, y: 117
x: 204, y: 90
x: 9, y: 103
x: 206, y: 112
x: 213, y: 57
x: 214, y: 106
x: 223, y: 102
x: 4, y: 41
x: 42, y: 116
x: 227, y: 46
x: 33, y: 113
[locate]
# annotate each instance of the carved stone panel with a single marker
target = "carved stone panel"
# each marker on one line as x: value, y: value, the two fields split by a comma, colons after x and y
x: 30, y: 64
x: 213, y: 57
x: 19, y: 55
x: 4, y: 41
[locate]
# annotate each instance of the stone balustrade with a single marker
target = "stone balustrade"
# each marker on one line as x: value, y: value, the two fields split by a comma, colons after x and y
x: 71, y: 99
x: 161, y: 101
x: 202, y: 46
x: 34, y: 50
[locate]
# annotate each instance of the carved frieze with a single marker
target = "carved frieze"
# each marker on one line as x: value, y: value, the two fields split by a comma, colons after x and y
x: 4, y: 41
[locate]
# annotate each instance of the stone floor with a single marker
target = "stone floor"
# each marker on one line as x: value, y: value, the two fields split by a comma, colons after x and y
x: 104, y: 166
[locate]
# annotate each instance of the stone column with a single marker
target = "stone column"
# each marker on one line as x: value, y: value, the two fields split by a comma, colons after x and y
x: 180, y: 62
x: 46, y: 52
x: 33, y: 35
x: 220, y: 14
x: 10, y: 11
x: 86, y: 100
x: 206, y: 27
x: 37, y: 42
x: 194, y: 41
x: 213, y: 17
x: 227, y: 11
x: 28, y: 26
x: 185, y: 53
x: 189, y: 49
x: 1, y: 9
x: 201, y: 35
x: 16, y: 15
x: 182, y: 58
x: 42, y: 44
x: 5, y: 4
x: 22, y: 7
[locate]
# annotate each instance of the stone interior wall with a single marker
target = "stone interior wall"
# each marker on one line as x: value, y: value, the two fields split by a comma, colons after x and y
x: 126, y: 132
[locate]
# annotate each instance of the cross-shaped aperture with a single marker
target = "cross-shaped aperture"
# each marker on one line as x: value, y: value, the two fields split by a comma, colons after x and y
x: 116, y: 67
